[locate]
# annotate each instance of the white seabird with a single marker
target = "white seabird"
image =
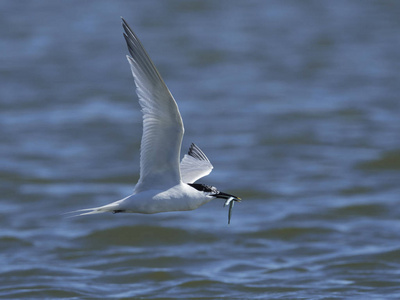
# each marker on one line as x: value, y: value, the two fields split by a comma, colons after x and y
x: 164, y: 184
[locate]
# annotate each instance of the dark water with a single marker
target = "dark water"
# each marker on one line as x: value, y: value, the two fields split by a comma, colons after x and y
x: 295, y: 102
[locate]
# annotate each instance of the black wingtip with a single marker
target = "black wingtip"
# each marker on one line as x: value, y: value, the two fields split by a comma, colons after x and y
x: 126, y: 27
x: 124, y: 22
x: 195, y: 152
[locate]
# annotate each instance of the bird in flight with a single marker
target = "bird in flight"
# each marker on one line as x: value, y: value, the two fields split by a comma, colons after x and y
x: 165, y: 184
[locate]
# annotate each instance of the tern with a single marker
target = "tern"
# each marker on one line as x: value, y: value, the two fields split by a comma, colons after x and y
x: 165, y: 184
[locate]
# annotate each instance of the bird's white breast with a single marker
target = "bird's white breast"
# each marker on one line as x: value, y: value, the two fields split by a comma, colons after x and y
x: 181, y: 197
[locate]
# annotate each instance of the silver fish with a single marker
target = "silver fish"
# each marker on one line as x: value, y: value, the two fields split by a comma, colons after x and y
x: 230, y: 201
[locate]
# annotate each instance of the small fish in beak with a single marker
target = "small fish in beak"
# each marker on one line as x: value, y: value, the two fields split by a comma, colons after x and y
x: 231, y: 201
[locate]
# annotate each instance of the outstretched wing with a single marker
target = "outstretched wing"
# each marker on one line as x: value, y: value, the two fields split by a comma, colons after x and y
x: 162, y: 123
x: 195, y: 165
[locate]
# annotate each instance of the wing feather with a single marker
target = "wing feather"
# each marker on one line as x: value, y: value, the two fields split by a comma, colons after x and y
x: 195, y: 165
x: 162, y: 123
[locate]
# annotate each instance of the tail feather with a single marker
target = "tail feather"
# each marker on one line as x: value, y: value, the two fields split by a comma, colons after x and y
x: 94, y: 210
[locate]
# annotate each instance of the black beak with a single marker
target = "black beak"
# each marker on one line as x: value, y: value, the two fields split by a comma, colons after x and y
x: 226, y: 196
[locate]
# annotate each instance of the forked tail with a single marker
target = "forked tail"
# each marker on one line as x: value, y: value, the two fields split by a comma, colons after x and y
x: 95, y: 210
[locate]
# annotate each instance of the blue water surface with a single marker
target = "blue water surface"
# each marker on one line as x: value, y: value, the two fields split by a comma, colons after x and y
x: 296, y: 103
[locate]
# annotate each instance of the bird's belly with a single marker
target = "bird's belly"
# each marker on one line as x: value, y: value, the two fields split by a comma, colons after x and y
x: 173, y: 199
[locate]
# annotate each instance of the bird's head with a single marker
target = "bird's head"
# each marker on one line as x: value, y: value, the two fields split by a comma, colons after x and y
x: 213, y: 192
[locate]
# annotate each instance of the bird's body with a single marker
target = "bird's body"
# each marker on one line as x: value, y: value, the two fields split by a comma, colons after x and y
x: 165, y: 184
x: 180, y: 197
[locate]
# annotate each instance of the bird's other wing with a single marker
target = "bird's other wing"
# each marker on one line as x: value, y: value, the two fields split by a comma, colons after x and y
x: 195, y: 165
x: 162, y: 123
